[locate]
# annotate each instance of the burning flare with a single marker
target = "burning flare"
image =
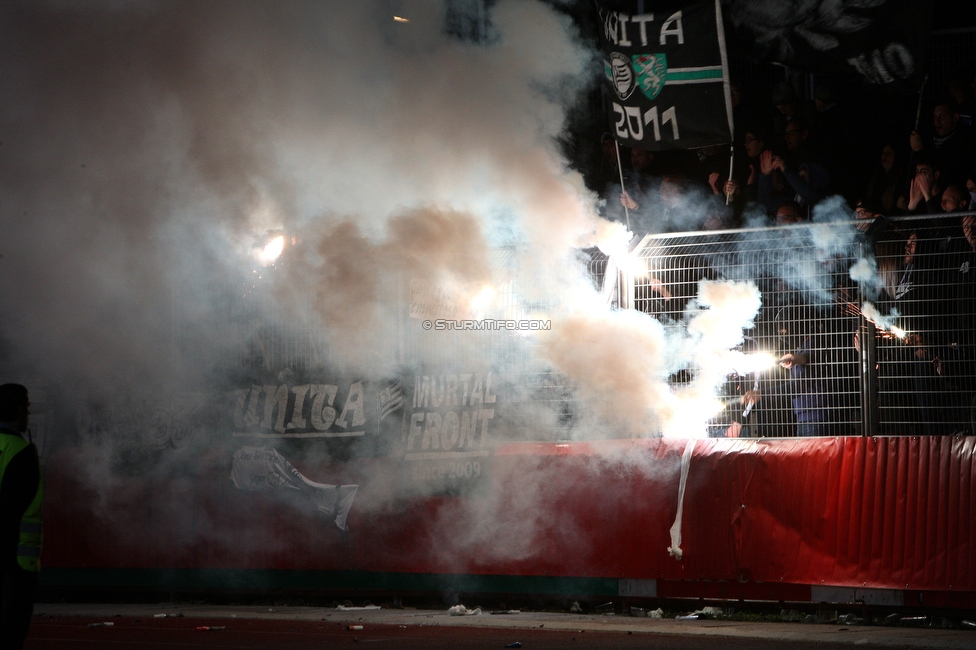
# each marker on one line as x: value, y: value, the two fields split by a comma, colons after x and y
x: 483, y: 299
x: 884, y: 323
x: 272, y: 250
x: 744, y: 363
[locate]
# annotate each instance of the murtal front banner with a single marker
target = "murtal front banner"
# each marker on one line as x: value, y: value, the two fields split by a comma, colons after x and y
x: 666, y: 67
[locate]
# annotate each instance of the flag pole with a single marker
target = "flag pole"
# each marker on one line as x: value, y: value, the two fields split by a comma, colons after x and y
x: 726, y: 86
x: 918, y: 121
x: 921, y: 93
x: 620, y: 170
x: 728, y: 195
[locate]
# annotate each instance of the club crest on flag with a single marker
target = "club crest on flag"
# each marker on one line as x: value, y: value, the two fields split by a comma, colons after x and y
x: 652, y: 70
x: 622, y: 75
x: 677, y: 57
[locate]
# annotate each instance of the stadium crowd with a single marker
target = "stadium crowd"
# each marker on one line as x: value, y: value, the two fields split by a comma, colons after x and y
x: 795, y: 153
x: 790, y: 157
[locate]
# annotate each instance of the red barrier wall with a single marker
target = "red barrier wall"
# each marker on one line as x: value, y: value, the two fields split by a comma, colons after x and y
x: 890, y: 513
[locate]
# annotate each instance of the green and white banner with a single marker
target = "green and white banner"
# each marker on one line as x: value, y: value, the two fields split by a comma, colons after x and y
x: 666, y: 67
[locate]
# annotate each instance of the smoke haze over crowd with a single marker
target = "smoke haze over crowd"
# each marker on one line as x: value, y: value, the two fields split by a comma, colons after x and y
x: 149, y: 151
x: 149, y: 147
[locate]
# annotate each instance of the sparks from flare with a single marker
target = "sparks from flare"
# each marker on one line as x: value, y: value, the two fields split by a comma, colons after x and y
x: 884, y: 323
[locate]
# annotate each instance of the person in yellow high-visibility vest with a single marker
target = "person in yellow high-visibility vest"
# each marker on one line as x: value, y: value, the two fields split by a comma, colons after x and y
x: 21, y: 492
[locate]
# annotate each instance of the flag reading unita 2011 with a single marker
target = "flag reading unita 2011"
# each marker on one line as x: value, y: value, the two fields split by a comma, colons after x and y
x: 668, y: 73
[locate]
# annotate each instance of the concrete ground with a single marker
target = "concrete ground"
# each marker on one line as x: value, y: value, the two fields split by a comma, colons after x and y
x: 141, y: 626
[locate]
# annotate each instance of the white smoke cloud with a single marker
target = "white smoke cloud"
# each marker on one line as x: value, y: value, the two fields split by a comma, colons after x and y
x: 865, y: 272
x: 152, y: 145
x: 716, y: 324
x: 617, y: 360
x: 150, y: 148
x: 620, y: 360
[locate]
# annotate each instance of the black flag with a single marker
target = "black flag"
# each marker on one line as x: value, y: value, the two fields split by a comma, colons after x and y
x: 880, y: 41
x: 667, y: 72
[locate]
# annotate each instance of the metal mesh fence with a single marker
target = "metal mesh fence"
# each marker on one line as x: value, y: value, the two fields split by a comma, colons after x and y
x: 808, y: 310
x: 906, y: 368
x: 925, y: 375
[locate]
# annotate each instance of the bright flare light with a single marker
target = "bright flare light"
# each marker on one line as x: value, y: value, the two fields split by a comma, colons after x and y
x: 755, y: 362
x: 691, y: 414
x: 613, y: 238
x: 401, y: 19
x: 483, y: 299
x: 633, y: 265
x: 272, y: 250
x: 884, y: 323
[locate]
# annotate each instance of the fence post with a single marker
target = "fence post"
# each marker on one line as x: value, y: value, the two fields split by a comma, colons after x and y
x: 869, y: 378
x: 867, y: 333
x: 626, y: 288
